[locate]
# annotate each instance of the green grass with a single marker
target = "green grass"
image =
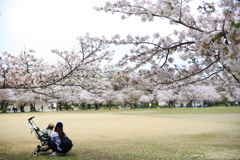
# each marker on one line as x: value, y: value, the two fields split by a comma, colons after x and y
x: 161, y: 111
x: 155, y: 111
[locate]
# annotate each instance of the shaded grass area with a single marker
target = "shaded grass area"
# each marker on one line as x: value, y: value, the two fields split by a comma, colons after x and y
x: 199, y: 146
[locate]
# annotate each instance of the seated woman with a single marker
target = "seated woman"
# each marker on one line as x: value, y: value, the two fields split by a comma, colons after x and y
x: 55, y: 142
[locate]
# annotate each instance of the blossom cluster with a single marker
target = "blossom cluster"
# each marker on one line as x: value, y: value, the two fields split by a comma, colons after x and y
x: 75, y: 67
x: 207, y: 41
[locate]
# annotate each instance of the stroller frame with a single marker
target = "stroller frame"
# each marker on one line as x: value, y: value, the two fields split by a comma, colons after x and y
x: 43, y: 138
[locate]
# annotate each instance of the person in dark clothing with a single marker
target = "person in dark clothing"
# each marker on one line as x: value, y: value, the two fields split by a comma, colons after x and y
x: 55, y: 142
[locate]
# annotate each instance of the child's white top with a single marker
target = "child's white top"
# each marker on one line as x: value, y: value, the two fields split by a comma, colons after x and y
x: 47, y: 132
x: 55, y: 138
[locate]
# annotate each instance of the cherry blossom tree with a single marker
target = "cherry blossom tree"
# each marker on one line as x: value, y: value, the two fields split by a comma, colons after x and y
x: 86, y: 97
x: 146, y: 98
x: 20, y: 96
x: 76, y: 94
x: 230, y: 96
x: 164, y: 97
x: 6, y: 97
x: 193, y: 93
x: 110, y: 97
x: 22, y: 71
x: 24, y: 97
x: 74, y: 68
x: 79, y: 69
x: 120, y: 98
x: 237, y: 95
x: 208, y: 41
x: 189, y: 94
x: 132, y: 95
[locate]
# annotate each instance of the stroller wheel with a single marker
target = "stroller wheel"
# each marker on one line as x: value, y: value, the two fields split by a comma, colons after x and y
x: 34, y: 153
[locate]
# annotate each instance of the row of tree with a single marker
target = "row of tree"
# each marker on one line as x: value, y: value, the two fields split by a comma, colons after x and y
x: 126, y: 96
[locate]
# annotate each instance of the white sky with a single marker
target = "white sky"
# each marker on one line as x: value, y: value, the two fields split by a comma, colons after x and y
x: 43, y: 25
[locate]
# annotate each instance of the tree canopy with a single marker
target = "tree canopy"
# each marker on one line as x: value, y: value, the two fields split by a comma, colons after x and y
x: 206, y: 40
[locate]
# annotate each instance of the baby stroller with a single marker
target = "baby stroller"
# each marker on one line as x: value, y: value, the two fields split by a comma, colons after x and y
x: 42, y: 137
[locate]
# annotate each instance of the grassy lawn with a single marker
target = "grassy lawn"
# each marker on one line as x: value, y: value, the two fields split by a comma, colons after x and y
x: 141, y: 134
x: 209, y: 110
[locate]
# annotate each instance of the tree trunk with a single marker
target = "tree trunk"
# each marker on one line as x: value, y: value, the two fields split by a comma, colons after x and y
x: 190, y: 103
x: 60, y: 106
x: 67, y: 106
x: 32, y: 107
x: 83, y: 106
x: 109, y: 106
x: 22, y: 108
x: 4, y: 107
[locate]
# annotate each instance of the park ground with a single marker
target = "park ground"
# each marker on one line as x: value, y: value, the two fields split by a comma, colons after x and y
x: 147, y: 134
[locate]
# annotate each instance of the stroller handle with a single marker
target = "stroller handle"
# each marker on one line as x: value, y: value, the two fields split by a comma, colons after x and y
x: 30, y: 118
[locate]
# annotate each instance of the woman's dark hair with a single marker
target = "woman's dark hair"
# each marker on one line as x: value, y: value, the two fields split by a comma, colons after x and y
x: 59, y: 129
